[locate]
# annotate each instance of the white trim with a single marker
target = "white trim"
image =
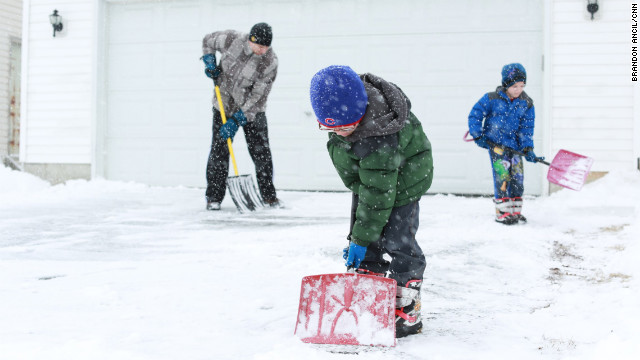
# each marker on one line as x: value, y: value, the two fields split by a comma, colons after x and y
x: 102, y: 45
x: 547, y: 86
x: 24, y: 77
x: 99, y: 105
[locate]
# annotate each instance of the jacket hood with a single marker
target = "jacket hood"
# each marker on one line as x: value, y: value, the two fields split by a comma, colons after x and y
x: 387, y: 110
x: 502, y: 91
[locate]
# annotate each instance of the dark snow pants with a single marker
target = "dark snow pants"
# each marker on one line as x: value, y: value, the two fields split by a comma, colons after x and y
x: 398, y: 240
x: 257, y: 137
x: 508, y: 173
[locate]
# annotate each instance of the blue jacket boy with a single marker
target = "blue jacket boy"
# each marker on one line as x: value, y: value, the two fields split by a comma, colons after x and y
x: 502, y: 121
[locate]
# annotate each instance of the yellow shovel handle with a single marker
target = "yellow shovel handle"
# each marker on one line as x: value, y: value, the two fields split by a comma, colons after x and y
x: 224, y: 121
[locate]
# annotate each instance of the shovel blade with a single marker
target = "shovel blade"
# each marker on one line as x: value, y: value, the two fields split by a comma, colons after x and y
x: 244, y: 193
x: 347, y: 309
x: 569, y: 169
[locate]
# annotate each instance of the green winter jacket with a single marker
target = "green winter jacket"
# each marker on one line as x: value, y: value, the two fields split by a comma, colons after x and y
x: 387, y: 161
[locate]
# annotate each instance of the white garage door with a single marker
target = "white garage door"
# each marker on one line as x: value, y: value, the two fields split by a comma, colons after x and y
x: 444, y: 54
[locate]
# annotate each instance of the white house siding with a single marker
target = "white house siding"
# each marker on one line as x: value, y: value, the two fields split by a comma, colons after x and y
x: 585, y: 104
x: 10, y: 30
x: 58, y: 87
x: 592, y: 95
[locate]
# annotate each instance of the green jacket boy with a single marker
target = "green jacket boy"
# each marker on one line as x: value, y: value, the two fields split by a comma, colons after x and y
x: 383, y: 156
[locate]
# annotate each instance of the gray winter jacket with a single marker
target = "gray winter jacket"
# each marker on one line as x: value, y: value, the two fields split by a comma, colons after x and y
x: 246, y: 78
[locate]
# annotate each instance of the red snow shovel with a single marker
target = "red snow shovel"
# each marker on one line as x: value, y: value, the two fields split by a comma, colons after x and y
x: 347, y: 309
x: 567, y: 169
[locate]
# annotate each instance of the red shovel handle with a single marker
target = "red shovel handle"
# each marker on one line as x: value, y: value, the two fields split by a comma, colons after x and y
x: 467, y: 139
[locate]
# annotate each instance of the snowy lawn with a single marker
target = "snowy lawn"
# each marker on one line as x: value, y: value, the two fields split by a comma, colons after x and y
x: 111, y: 270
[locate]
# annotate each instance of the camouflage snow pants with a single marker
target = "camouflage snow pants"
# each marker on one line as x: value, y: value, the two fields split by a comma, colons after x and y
x: 508, y: 173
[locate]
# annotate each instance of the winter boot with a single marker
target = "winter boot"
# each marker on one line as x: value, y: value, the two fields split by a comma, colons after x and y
x: 516, y: 209
x: 408, y: 306
x: 274, y: 203
x: 213, y: 205
x: 503, y: 211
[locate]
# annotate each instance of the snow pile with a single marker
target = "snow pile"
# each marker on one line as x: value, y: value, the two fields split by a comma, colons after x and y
x: 12, y: 181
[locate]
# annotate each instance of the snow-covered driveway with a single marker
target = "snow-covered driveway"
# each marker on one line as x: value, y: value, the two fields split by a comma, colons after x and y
x: 111, y: 270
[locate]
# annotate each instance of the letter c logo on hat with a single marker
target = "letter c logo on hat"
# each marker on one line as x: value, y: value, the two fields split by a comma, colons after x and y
x: 329, y: 121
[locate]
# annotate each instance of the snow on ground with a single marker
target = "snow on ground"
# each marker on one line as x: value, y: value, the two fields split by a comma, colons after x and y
x: 111, y: 270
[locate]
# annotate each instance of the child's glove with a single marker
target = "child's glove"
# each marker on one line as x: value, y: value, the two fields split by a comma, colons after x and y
x: 482, y: 142
x: 530, y: 156
x: 354, y: 254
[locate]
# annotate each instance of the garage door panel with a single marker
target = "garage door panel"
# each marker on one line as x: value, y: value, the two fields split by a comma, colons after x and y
x: 131, y: 66
x: 289, y: 53
x: 130, y: 114
x: 180, y: 62
x: 132, y: 23
x: 181, y: 114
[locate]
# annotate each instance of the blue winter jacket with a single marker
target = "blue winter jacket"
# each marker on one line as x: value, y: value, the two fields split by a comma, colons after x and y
x: 508, y: 123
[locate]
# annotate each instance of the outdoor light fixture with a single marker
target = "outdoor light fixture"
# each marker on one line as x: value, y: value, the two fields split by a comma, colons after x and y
x: 56, y: 22
x: 592, y: 7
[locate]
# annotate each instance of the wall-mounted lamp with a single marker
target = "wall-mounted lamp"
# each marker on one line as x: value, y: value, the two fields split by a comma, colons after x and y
x: 56, y: 22
x: 592, y: 7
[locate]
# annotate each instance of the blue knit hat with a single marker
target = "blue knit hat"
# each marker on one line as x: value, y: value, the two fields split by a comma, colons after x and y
x: 338, y: 97
x: 512, y: 73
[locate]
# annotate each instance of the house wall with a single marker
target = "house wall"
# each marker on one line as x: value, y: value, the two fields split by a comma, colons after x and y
x: 58, y: 90
x: 10, y: 30
x: 591, y: 106
x: 593, y: 109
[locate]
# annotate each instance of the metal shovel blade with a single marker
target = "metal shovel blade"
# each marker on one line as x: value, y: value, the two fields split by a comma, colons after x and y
x: 569, y: 169
x: 347, y: 309
x: 244, y: 193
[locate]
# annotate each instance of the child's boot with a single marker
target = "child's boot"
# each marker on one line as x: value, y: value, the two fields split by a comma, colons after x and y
x: 504, y: 210
x: 408, y: 306
x: 517, y: 209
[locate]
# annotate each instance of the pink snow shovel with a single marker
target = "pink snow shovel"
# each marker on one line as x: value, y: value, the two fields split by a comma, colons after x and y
x: 347, y: 309
x: 567, y: 169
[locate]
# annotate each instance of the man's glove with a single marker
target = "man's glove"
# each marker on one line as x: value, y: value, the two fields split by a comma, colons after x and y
x: 530, y: 156
x: 354, y: 254
x: 229, y: 129
x: 482, y: 142
x: 239, y: 117
x: 211, y: 69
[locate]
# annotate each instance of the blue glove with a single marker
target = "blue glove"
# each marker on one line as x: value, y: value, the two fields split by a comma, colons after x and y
x: 354, y: 255
x: 482, y: 142
x: 230, y: 128
x: 530, y: 156
x: 211, y: 69
x: 239, y: 117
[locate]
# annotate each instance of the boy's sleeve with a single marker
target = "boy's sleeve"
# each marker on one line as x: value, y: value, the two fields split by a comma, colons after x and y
x: 479, y: 111
x: 525, y: 136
